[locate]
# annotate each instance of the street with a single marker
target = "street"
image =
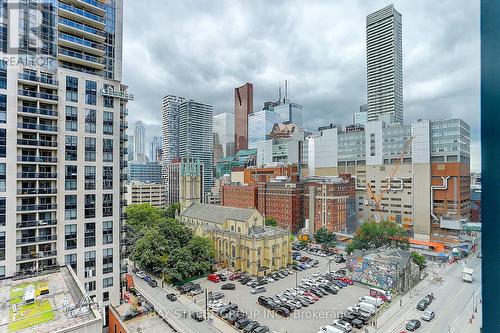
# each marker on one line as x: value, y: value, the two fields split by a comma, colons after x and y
x: 453, y: 302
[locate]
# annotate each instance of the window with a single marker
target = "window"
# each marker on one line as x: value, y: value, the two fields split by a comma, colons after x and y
x: 2, y: 212
x: 71, y: 147
x: 2, y: 245
x: 105, y: 297
x: 107, y: 282
x: 2, y: 178
x: 90, y: 120
x: 90, y: 92
x: 70, y: 207
x: 3, y: 109
x: 71, y: 89
x: 89, y: 264
x: 71, y: 175
x: 89, y: 177
x: 90, y: 206
x: 90, y: 286
x: 3, y: 142
x: 70, y: 236
x: 107, y: 178
x: 71, y: 118
x: 107, y: 232
x: 3, y: 29
x: 107, y: 122
x: 107, y: 204
x: 89, y: 234
x: 3, y: 74
x: 90, y: 149
x: 107, y: 150
x: 107, y: 261
x: 2, y: 271
x: 70, y: 259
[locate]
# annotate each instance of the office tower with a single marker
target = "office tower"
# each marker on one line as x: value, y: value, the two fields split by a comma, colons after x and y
x: 146, y: 172
x: 155, y: 149
x: 243, y: 107
x: 217, y: 149
x: 260, y: 124
x: 224, y: 127
x: 196, y: 137
x: 140, y: 141
x: 361, y: 117
x: 130, y: 148
x: 63, y: 142
x: 384, y: 60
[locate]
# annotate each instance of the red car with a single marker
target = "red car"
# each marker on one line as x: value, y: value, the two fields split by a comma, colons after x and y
x: 310, y: 294
x: 214, y: 278
x: 346, y: 280
x: 234, y: 276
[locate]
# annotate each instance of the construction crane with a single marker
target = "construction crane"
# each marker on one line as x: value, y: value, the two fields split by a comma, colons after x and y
x: 376, y: 200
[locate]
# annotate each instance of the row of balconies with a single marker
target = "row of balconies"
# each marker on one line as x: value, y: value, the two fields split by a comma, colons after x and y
x: 39, y: 127
x: 34, y: 207
x: 43, y: 175
x: 34, y: 191
x: 40, y: 95
x: 33, y: 110
x: 36, y: 223
x: 38, y: 79
x: 38, y: 239
x: 38, y: 159
x: 34, y: 142
x: 36, y: 255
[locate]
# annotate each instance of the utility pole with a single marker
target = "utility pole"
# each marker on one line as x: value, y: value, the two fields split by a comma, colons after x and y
x: 206, y: 303
x: 296, y: 279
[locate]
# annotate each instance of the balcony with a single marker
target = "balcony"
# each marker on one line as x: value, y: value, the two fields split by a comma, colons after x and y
x: 34, y: 191
x: 37, y: 175
x: 81, y: 58
x: 39, y: 239
x: 36, y: 223
x: 26, y: 208
x: 33, y: 95
x: 76, y: 28
x: 32, y: 110
x: 37, y: 127
x: 78, y: 14
x: 123, y: 164
x: 81, y: 44
x: 123, y: 125
x: 39, y: 79
x: 41, y: 143
x: 124, y: 112
x: 37, y: 159
x: 94, y: 6
x: 36, y: 255
x: 111, y: 92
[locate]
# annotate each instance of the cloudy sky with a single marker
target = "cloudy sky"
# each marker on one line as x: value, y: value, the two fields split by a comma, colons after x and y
x: 203, y: 49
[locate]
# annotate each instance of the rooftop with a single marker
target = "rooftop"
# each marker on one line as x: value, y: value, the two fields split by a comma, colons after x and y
x: 144, y: 323
x: 55, y: 307
x: 216, y: 214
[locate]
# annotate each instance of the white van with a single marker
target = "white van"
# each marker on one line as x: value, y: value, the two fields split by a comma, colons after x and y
x: 367, y: 307
x: 372, y: 300
x: 330, y: 329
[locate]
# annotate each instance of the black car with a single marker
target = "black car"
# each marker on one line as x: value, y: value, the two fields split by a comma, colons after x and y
x: 413, y: 325
x: 245, y: 280
x: 171, y: 297
x: 261, y: 329
x: 331, y: 290
x: 284, y: 272
x: 358, y: 323
x: 242, y: 323
x: 288, y: 307
x: 282, y: 311
x: 422, y: 305
x: 198, y: 316
x: 250, y: 326
x: 153, y: 283
x: 227, y: 308
x: 316, y: 292
x: 216, y: 295
x: 348, y: 318
x: 228, y: 286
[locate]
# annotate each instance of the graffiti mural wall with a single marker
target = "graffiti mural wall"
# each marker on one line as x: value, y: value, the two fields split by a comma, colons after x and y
x: 374, y: 273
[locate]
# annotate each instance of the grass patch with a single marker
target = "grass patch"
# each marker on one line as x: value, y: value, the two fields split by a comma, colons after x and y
x: 17, y: 293
x: 30, y: 315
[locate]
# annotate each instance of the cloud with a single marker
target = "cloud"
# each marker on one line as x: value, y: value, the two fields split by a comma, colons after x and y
x: 203, y: 50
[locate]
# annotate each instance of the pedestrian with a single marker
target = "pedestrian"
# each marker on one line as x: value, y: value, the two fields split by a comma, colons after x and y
x: 400, y: 303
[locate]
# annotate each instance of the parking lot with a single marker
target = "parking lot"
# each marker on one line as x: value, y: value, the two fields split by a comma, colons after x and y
x: 305, y: 319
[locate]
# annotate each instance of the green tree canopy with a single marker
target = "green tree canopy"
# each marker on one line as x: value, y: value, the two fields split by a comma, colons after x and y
x: 202, y: 252
x: 325, y: 237
x: 180, y: 264
x: 177, y: 234
x: 150, y: 251
x: 372, y: 235
x: 170, y: 211
x: 271, y: 222
x: 418, y: 259
x: 143, y: 216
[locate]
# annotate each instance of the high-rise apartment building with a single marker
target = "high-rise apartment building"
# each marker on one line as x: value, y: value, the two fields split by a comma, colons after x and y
x: 155, y: 149
x: 224, y: 127
x: 260, y: 124
x: 170, y: 127
x: 140, y: 141
x: 243, y: 107
x: 384, y: 59
x: 130, y: 148
x: 63, y: 141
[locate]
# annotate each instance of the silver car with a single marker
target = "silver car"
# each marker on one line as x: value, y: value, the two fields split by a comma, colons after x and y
x: 428, y: 315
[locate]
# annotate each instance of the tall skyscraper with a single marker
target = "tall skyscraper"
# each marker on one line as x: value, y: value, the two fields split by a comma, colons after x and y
x: 243, y: 107
x: 140, y: 141
x: 187, y: 128
x: 260, y: 124
x: 130, y: 147
x: 288, y: 111
x: 63, y: 139
x: 224, y: 127
x: 384, y: 60
x: 155, y: 149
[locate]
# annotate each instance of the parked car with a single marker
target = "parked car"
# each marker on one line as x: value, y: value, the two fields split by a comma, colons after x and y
x: 216, y: 295
x: 428, y: 315
x: 152, y: 283
x: 228, y: 286
x: 140, y: 274
x: 261, y: 329
x: 198, y: 316
x: 358, y: 323
x: 234, y: 276
x: 282, y: 311
x: 245, y: 280
x: 343, y: 324
x: 214, y: 278
x: 250, y: 326
x: 222, y: 276
x: 413, y: 325
x: 241, y: 323
x: 196, y: 291
x: 258, y: 290
x: 171, y: 297
x: 422, y: 305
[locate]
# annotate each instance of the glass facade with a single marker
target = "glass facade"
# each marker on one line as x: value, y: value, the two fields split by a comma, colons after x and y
x: 260, y: 125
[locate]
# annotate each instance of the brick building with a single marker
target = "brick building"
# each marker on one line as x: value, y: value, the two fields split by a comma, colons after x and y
x: 270, y: 173
x: 284, y: 202
x: 330, y: 202
x: 239, y: 196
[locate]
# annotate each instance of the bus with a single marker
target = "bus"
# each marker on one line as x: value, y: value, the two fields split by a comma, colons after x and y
x: 384, y: 295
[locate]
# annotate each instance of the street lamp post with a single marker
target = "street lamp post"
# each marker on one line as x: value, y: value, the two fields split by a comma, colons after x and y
x: 296, y: 279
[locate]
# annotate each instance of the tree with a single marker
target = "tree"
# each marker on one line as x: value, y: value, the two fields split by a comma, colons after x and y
x: 176, y: 232
x: 372, y: 235
x: 143, y: 216
x: 202, y: 252
x: 325, y: 237
x: 180, y: 264
x: 150, y: 251
x: 170, y: 211
x: 271, y: 222
x: 418, y: 259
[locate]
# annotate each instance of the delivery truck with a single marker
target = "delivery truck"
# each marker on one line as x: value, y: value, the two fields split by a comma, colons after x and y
x: 468, y: 274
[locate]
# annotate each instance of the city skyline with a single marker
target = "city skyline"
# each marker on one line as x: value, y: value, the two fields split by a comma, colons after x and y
x: 439, y: 64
